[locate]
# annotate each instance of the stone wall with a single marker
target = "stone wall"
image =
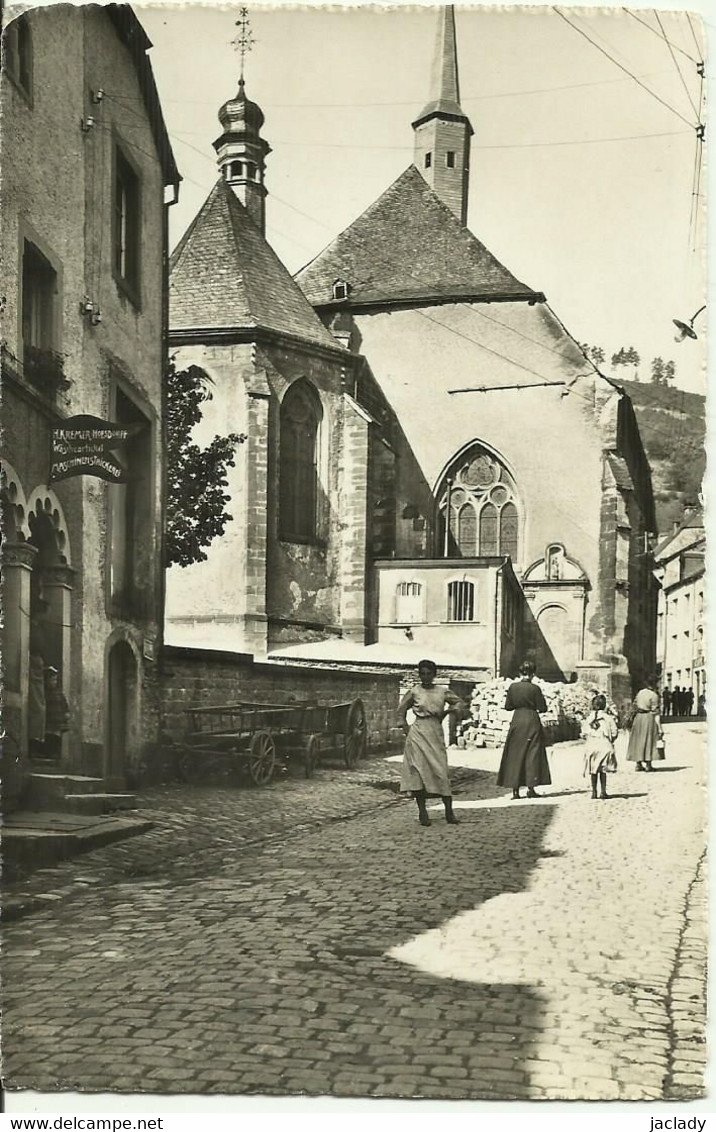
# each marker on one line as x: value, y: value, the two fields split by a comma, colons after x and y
x: 201, y: 677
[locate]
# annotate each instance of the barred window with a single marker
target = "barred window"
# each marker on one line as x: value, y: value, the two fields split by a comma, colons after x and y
x: 461, y: 601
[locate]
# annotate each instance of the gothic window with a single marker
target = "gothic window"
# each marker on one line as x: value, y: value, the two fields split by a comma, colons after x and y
x: 300, y: 422
x: 408, y: 603
x: 482, y: 501
x: 488, y: 529
x: 509, y: 530
x: 461, y: 601
x: 467, y: 531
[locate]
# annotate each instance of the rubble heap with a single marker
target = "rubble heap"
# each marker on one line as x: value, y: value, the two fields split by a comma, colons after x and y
x: 488, y: 723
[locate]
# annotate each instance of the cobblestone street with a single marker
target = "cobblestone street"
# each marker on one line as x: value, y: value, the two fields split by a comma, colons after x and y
x: 312, y: 937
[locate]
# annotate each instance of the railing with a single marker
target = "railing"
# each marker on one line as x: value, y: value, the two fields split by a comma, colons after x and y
x: 41, y: 368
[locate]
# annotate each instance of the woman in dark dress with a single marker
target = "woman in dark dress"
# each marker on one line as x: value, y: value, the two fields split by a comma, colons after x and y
x: 524, y: 759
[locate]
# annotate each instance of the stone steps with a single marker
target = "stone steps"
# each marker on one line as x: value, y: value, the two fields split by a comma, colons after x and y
x: 98, y: 803
x: 74, y: 794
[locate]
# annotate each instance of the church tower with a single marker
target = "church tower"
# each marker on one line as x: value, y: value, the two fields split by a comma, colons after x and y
x: 242, y: 152
x: 442, y: 129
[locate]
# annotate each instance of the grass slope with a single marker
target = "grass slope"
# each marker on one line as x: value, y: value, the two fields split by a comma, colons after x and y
x: 673, y: 429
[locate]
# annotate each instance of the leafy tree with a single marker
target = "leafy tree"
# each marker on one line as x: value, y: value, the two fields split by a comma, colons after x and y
x: 196, y: 503
x: 657, y: 371
x: 595, y: 353
x: 669, y: 372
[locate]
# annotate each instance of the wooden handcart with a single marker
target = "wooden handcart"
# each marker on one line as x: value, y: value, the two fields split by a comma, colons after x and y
x: 253, y: 738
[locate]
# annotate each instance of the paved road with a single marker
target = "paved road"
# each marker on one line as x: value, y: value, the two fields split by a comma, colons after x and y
x: 315, y: 938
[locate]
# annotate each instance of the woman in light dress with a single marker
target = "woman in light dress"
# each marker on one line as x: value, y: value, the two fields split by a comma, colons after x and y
x: 600, y: 730
x: 425, y: 766
x: 646, y: 732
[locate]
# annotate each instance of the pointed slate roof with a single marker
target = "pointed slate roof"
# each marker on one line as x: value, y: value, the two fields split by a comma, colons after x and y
x: 409, y: 246
x: 223, y: 275
x: 444, y: 81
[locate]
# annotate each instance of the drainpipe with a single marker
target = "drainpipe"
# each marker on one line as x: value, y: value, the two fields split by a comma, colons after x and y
x: 498, y: 580
x: 446, y: 543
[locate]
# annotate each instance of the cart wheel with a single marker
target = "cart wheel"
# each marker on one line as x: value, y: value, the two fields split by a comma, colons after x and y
x: 355, y: 741
x: 311, y: 755
x: 262, y: 756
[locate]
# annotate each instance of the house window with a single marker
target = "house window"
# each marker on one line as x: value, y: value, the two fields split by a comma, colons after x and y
x: 450, y: 159
x: 300, y: 422
x: 39, y: 290
x: 461, y: 601
x: 428, y: 160
x: 42, y: 365
x: 18, y: 54
x: 341, y: 290
x: 408, y: 603
x: 126, y: 221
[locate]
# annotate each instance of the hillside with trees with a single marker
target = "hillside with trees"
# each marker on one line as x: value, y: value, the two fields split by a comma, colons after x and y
x: 673, y: 430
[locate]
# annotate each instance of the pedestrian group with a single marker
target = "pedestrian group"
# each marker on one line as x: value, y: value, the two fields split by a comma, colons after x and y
x: 524, y: 757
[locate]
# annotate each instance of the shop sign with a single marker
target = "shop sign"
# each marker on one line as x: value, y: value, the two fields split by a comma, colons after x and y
x: 84, y: 446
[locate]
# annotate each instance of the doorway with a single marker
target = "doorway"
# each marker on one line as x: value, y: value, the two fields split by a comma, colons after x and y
x: 122, y: 714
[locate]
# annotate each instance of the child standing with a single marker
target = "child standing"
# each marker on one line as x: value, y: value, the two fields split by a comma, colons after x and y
x: 600, y: 730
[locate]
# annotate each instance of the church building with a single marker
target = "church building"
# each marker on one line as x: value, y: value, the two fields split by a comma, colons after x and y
x: 432, y: 466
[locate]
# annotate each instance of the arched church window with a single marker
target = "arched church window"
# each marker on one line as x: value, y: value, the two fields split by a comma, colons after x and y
x: 483, y: 504
x: 488, y: 529
x: 298, y: 454
x: 509, y: 530
x: 467, y: 531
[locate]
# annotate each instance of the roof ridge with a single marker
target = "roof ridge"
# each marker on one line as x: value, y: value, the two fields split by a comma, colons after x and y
x: 472, y: 270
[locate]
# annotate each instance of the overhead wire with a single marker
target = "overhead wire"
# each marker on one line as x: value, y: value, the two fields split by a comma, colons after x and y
x: 621, y: 66
x: 634, y: 16
x: 470, y: 308
x: 678, y: 68
x: 693, y: 33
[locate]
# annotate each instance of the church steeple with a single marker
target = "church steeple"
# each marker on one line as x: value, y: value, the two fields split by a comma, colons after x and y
x: 241, y: 151
x: 442, y: 129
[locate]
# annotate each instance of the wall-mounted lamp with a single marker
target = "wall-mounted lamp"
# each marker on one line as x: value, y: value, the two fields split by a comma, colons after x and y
x: 87, y: 123
x: 686, y: 329
x: 409, y: 633
x: 90, y: 311
x: 96, y: 96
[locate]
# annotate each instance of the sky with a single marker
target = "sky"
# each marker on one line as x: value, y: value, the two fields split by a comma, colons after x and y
x: 581, y: 180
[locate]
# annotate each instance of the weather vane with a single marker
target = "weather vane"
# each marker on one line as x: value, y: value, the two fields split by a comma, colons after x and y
x: 244, y: 40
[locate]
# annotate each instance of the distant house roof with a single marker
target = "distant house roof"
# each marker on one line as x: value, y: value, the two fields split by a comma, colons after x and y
x: 225, y: 276
x: 693, y: 520
x: 407, y: 247
x: 137, y: 42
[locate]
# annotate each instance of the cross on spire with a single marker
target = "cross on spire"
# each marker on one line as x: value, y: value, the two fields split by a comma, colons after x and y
x: 244, y: 39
